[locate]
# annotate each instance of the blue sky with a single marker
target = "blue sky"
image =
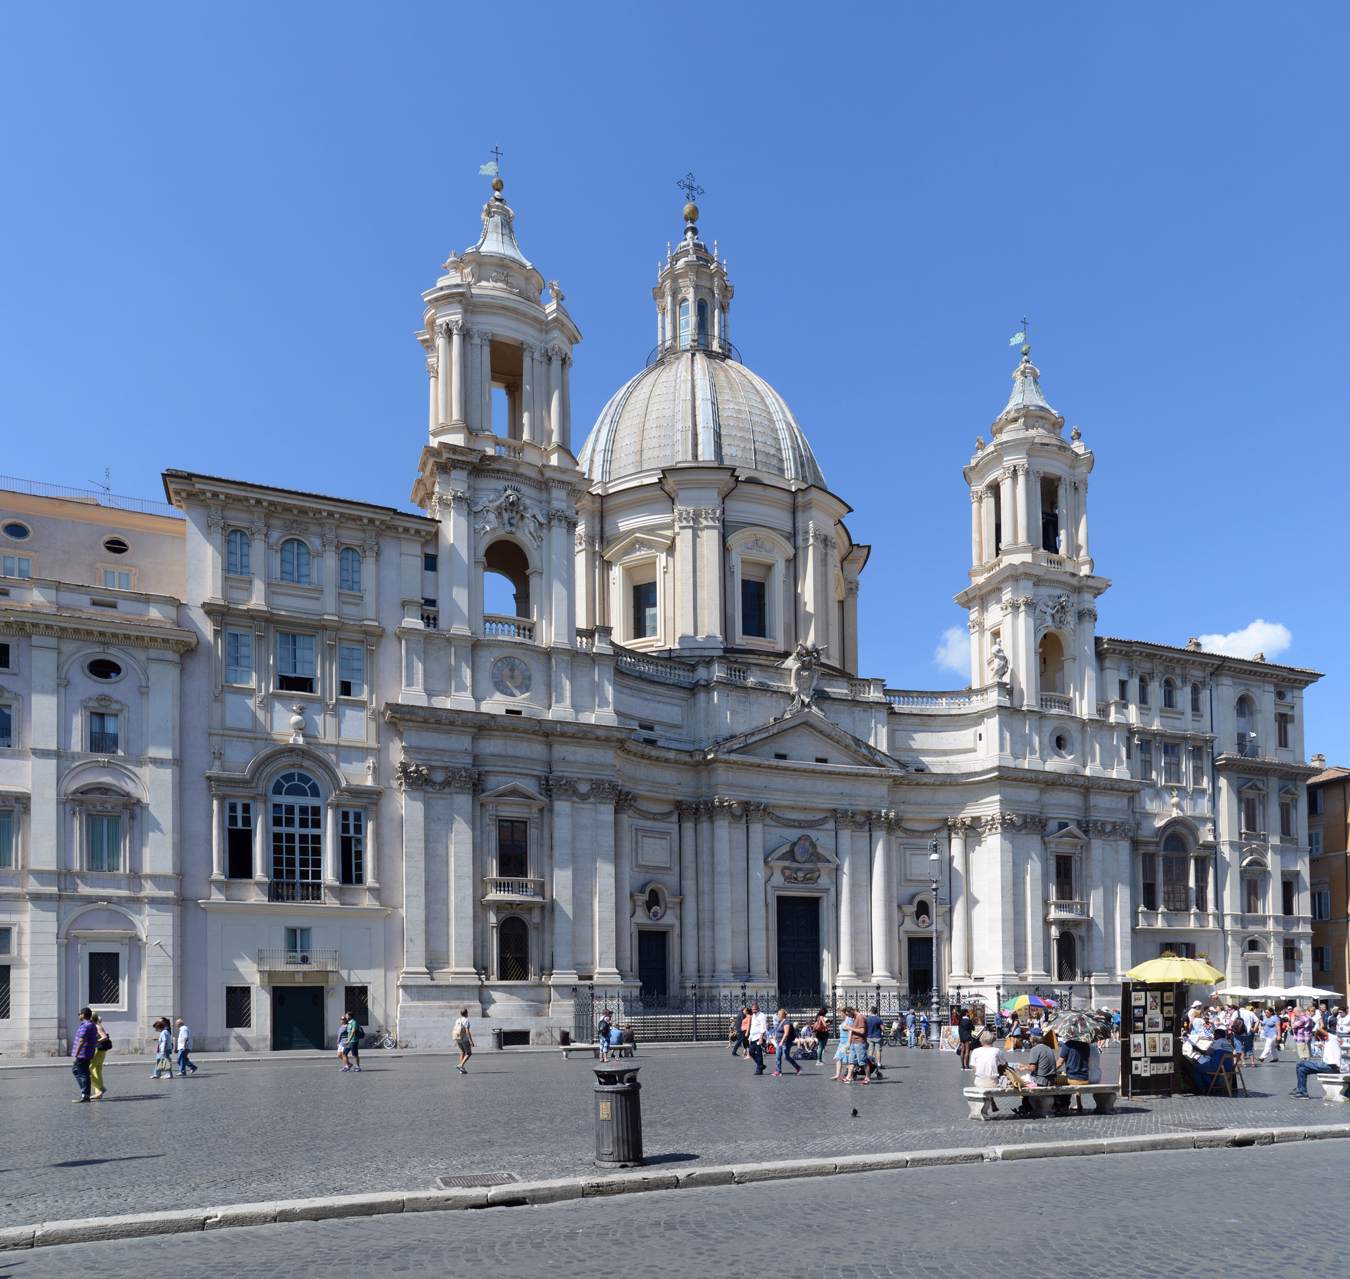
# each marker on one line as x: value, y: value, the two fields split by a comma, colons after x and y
x: 218, y: 221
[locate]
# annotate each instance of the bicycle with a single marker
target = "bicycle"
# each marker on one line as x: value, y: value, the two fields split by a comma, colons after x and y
x: 383, y: 1039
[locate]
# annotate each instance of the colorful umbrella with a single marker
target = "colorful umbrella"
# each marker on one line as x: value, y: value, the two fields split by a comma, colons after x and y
x: 1020, y: 1002
x: 1194, y: 972
x: 1078, y: 1025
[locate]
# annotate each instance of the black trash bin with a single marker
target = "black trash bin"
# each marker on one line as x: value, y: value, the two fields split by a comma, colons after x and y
x: 496, y: 1037
x: 618, y: 1116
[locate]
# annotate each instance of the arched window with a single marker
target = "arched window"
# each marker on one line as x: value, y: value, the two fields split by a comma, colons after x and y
x: 1176, y: 873
x: 513, y: 949
x: 349, y: 569
x: 1169, y: 694
x: 295, y: 561
x: 1066, y: 957
x: 1052, y: 663
x: 702, y: 322
x: 684, y: 322
x: 506, y: 581
x: 297, y: 839
x: 237, y: 553
x: 1246, y: 726
x: 1143, y: 690
x: 1195, y: 699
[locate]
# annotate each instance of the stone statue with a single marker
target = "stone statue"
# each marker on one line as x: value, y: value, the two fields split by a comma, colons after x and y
x: 509, y: 512
x: 998, y: 660
x: 805, y: 664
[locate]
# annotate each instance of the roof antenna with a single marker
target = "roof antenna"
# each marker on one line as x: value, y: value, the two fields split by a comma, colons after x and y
x: 106, y: 486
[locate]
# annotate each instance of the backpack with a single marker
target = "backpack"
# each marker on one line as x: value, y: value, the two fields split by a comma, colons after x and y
x: 603, y: 1029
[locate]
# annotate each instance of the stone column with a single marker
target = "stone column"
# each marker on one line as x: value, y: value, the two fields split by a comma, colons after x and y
x: 1007, y: 510
x: 457, y: 372
x: 703, y: 840
x: 473, y: 372
x: 412, y: 777
x: 851, y: 625
x: 960, y: 906
x: 987, y: 523
x: 464, y: 888
x: 259, y: 571
x: 1092, y: 890
x: 689, y: 912
x: 485, y: 422
x: 976, y: 554
x: 1034, y: 508
x: 1022, y: 486
x: 217, y: 839
x: 564, y: 962
x: 555, y: 422
x: 883, y: 903
x: 623, y: 895
x: 566, y: 437
x: 1062, y: 502
x: 686, y: 575
x: 721, y: 895
x: 604, y: 794
x: 843, y: 834
x: 330, y: 853
x: 434, y: 396
x: 1033, y: 850
x: 754, y: 850
x: 445, y: 375
x: 710, y: 572
x: 1082, y: 548
x: 1086, y: 638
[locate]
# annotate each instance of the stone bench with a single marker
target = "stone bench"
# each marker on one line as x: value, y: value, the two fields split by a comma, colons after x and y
x: 1333, y: 1086
x: 1041, y: 1099
x: 619, y: 1050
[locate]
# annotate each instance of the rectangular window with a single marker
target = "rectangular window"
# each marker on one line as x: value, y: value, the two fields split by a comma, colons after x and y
x: 644, y: 610
x: 1315, y: 802
x: 239, y: 657
x: 237, y: 553
x: 513, y: 847
x: 1288, y: 894
x: 239, y: 839
x: 1282, y: 726
x: 6, y: 726
x: 1290, y: 958
x: 1150, y: 881
x: 1123, y: 690
x: 1195, y: 699
x: 351, y: 670
x: 15, y: 566
x: 1321, y: 903
x: 4, y: 992
x: 298, y: 943
x: 356, y: 1000
x: 1176, y: 881
x: 116, y: 579
x: 1201, y: 867
x: 238, y: 1007
x: 349, y: 569
x: 1171, y: 760
x: 1064, y: 877
x: 754, y: 608
x: 1286, y: 819
x: 1315, y: 843
x: 295, y: 662
x: 6, y: 941
x: 1252, y: 807
x: 1146, y: 761
x: 1320, y: 959
x: 1143, y: 690
x: 6, y: 655
x: 7, y: 839
x: 1181, y: 949
x: 429, y: 562
x: 105, y: 841
x: 1251, y: 896
x: 1198, y: 767
x: 103, y: 732
x: 105, y: 978
x: 352, y: 845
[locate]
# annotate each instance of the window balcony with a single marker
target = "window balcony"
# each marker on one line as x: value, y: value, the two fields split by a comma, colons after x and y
x: 1247, y: 746
x: 1058, y: 908
x: 103, y: 743
x: 496, y: 626
x: 1058, y: 702
x: 311, y: 961
x: 512, y: 888
x: 294, y: 890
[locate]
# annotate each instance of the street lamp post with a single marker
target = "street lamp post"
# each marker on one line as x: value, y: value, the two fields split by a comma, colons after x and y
x: 933, y: 860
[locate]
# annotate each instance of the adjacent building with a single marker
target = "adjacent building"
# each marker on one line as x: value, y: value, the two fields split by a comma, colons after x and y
x: 595, y: 717
x: 1329, y: 850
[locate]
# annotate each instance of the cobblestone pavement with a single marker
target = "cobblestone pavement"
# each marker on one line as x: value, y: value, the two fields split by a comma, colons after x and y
x: 1136, y: 1215
x: 246, y: 1132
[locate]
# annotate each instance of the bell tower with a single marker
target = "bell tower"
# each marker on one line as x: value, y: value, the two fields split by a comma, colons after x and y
x: 1032, y: 593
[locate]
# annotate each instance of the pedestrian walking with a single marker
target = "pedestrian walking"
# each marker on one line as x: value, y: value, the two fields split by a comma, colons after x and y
x: 820, y: 1028
x: 185, y: 1063
x: 787, y: 1036
x: 463, y: 1036
x: 1301, y: 1023
x: 353, y: 1030
x: 603, y: 1030
x: 857, y: 1048
x: 874, y: 1034
x: 740, y: 1023
x: 163, y: 1049
x: 83, y: 1048
x: 102, y: 1046
x: 758, y: 1033
x: 841, y: 1050
x: 965, y: 1037
x: 342, y: 1042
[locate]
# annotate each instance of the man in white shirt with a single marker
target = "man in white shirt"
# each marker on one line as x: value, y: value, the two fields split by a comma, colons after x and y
x: 759, y: 1032
x: 988, y: 1063
x: 1329, y: 1065
x: 184, y: 1047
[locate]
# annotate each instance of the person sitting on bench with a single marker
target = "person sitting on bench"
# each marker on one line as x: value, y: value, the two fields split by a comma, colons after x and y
x: 990, y: 1065
x: 1042, y: 1068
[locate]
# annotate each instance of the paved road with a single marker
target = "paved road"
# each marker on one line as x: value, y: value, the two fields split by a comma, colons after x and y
x: 1138, y: 1215
x: 245, y: 1132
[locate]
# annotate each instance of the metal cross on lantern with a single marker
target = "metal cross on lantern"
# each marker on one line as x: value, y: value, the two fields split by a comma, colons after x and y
x: 691, y: 188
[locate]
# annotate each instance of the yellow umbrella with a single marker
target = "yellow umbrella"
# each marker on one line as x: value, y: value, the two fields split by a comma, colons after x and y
x: 1194, y: 972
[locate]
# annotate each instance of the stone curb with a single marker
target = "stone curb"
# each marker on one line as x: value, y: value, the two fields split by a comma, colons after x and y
x: 519, y: 1194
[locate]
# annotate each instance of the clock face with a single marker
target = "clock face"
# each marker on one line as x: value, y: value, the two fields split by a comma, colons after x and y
x: 510, y: 677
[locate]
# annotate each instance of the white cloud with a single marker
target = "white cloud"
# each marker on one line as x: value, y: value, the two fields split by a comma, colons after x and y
x: 1260, y: 636
x: 953, y: 651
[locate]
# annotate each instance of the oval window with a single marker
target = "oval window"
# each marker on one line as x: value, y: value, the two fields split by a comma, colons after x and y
x: 104, y: 668
x: 115, y: 546
x: 17, y: 531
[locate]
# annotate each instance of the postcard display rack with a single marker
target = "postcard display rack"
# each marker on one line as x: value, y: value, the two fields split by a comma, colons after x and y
x: 1150, y: 1042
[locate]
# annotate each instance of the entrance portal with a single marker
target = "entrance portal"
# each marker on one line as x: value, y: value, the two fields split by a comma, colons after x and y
x: 920, y: 967
x: 297, y: 1017
x: 653, y: 965
x: 799, y: 951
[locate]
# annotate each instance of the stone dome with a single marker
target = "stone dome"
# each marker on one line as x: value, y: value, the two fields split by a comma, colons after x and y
x: 697, y: 406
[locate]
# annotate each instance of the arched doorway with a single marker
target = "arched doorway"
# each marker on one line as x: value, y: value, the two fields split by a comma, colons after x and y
x: 513, y: 949
x: 1052, y: 663
x: 506, y: 581
x: 1066, y: 957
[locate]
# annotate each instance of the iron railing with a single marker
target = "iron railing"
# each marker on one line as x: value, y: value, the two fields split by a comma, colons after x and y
x: 318, y: 961
x: 103, y: 743
x: 694, y: 342
x: 294, y: 890
x: 90, y: 497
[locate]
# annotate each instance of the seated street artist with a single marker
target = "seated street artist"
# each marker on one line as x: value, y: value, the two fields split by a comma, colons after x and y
x: 1041, y: 1069
x: 990, y: 1065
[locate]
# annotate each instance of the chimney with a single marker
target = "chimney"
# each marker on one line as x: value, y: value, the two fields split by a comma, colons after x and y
x: 1319, y: 762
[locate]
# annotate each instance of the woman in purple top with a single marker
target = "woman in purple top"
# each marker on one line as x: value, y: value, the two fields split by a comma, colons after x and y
x: 83, y: 1049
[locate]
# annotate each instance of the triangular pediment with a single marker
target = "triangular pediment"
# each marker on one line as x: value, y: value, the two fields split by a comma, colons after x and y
x: 514, y: 791
x: 805, y: 737
x: 1069, y: 833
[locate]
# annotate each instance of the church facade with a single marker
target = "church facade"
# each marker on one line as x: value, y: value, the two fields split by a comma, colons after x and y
x: 595, y: 717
